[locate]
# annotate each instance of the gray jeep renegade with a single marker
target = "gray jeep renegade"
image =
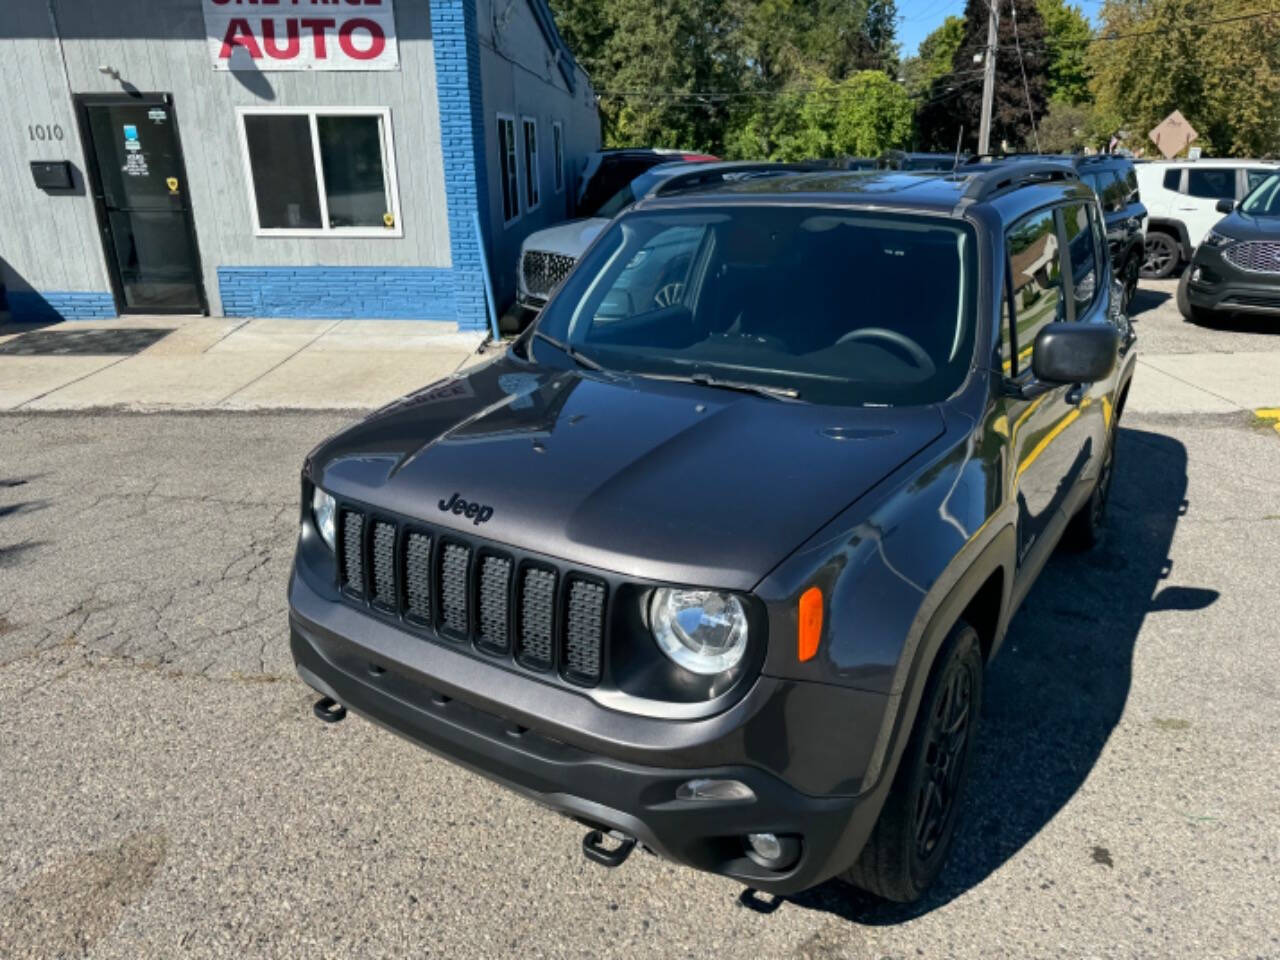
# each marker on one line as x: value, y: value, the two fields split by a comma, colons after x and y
x: 713, y: 557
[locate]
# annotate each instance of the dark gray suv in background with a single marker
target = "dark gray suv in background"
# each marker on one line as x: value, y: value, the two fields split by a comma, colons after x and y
x: 1236, y: 268
x: 714, y: 563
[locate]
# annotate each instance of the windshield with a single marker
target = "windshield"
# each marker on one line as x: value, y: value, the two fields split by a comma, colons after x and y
x: 616, y: 204
x: 832, y: 306
x: 1264, y: 201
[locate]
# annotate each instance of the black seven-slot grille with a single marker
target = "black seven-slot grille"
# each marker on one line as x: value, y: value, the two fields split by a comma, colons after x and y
x: 470, y: 593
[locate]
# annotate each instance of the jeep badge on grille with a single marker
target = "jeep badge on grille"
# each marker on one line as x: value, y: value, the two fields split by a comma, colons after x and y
x: 477, y: 513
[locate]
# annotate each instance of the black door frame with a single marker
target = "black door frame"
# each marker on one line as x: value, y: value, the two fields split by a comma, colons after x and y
x: 82, y: 101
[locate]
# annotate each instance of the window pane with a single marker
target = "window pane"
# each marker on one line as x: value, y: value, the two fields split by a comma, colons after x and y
x: 1255, y: 177
x: 1006, y: 342
x: 355, y: 184
x: 1084, y: 263
x: 1172, y: 179
x: 1037, y: 279
x: 558, y: 132
x: 1213, y: 184
x: 507, y: 162
x: 283, y: 167
x: 530, y: 164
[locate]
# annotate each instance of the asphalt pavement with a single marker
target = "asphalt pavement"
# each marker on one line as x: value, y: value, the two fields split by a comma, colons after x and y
x: 165, y: 790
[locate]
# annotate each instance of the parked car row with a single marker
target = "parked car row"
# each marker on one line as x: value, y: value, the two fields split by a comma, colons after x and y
x: 1158, y: 215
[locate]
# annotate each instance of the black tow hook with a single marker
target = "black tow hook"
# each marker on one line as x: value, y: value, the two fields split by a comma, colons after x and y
x: 329, y: 710
x: 594, y: 848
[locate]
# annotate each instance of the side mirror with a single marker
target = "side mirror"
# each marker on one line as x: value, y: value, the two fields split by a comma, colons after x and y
x: 1075, y: 352
x: 1225, y: 206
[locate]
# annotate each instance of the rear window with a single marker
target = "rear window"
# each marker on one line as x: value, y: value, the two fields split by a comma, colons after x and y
x: 1219, y: 184
x: 1173, y: 179
x: 614, y: 174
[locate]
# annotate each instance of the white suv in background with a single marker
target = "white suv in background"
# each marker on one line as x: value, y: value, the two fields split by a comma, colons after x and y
x: 1181, y: 198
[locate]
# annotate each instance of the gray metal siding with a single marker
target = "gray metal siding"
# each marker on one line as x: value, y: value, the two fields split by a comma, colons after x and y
x: 520, y: 78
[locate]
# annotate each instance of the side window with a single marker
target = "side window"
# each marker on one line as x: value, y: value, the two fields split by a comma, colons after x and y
x: 1035, y: 266
x: 1219, y: 184
x: 1173, y: 179
x: 1082, y: 254
x: 1115, y: 192
x: 1131, y: 186
x: 1253, y: 178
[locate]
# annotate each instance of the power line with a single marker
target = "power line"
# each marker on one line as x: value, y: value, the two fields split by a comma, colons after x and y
x: 1013, y: 5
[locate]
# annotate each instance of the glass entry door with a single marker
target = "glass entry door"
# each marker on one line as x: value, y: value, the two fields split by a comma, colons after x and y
x: 140, y: 188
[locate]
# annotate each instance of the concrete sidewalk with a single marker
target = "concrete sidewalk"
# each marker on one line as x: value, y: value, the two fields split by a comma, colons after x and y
x: 237, y: 364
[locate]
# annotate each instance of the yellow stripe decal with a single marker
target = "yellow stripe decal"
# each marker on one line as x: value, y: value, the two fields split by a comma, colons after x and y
x: 1048, y: 439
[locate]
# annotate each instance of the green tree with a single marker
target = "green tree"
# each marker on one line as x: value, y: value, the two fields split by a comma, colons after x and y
x: 862, y: 115
x: 1067, y: 36
x: 933, y: 60
x: 1170, y: 55
x: 1066, y: 128
x: 954, y: 102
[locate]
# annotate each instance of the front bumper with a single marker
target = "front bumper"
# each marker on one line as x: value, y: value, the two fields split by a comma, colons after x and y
x: 622, y: 772
x: 1220, y: 285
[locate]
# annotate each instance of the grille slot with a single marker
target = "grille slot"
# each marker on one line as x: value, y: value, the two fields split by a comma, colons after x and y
x: 384, y: 564
x: 1256, y: 256
x: 353, y: 551
x: 492, y: 610
x: 537, y: 618
x: 453, y: 587
x: 466, y: 591
x: 542, y: 270
x: 584, y: 630
x: 417, y: 577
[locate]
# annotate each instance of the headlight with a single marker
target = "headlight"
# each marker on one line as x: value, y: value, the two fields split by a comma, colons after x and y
x: 702, y: 630
x: 323, y: 512
x: 1214, y: 239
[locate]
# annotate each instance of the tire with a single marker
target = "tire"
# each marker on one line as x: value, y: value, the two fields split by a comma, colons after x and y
x: 906, y: 852
x: 1186, y: 308
x: 1088, y: 528
x: 1162, y: 256
x: 1132, y: 269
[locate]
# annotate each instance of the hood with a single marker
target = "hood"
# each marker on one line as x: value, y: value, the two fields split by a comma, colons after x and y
x: 570, y: 238
x: 1245, y: 226
x: 652, y: 479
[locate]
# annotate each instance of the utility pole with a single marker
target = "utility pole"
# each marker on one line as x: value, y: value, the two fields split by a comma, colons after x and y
x: 989, y: 77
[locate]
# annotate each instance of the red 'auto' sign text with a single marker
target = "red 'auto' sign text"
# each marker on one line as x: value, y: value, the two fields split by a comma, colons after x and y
x: 301, y: 34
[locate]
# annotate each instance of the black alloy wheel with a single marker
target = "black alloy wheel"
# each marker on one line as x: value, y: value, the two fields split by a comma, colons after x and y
x: 1162, y: 256
x: 947, y: 744
x: 910, y: 842
x: 1088, y: 527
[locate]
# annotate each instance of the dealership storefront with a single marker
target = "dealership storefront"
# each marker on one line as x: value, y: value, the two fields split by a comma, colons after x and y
x: 301, y: 158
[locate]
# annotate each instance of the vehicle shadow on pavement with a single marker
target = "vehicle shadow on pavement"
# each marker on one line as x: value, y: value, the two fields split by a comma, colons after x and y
x: 1146, y: 299
x: 1238, y: 323
x: 1058, y: 686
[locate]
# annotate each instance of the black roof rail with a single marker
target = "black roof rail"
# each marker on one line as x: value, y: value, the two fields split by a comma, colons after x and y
x: 1002, y: 177
x: 710, y: 173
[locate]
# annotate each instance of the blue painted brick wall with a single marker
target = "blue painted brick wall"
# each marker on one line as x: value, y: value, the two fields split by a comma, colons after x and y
x: 462, y: 136
x: 53, y: 305
x: 418, y: 293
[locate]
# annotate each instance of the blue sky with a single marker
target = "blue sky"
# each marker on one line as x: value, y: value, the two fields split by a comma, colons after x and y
x: 919, y: 18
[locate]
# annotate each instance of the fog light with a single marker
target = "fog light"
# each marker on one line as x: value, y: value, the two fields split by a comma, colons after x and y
x: 773, y: 852
x: 724, y: 791
x: 765, y: 844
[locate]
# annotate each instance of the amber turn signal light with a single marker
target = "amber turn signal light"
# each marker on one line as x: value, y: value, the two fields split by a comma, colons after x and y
x: 810, y: 623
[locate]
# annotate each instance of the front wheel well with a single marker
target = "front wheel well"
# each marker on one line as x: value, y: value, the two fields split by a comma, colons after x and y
x: 983, y: 611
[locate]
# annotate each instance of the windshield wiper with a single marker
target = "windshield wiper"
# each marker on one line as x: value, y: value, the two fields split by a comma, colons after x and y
x: 581, y: 359
x: 706, y: 380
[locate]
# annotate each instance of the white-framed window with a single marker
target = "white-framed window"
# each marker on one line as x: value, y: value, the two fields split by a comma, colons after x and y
x: 529, y: 126
x: 320, y: 171
x: 507, y: 164
x: 557, y: 142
